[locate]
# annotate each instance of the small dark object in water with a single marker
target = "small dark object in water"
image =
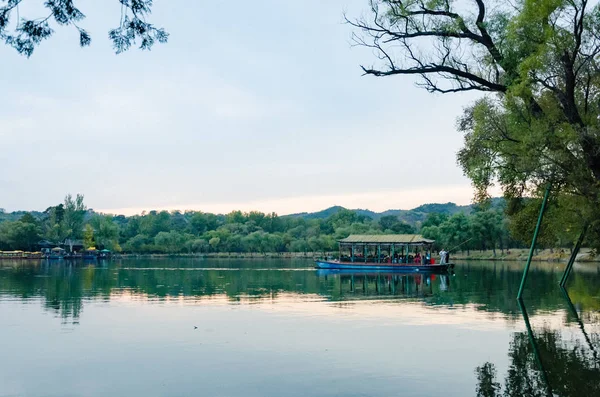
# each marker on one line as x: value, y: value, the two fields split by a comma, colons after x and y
x: 195, y: 327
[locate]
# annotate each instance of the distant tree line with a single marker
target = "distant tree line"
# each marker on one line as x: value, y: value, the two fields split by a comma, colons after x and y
x: 177, y: 232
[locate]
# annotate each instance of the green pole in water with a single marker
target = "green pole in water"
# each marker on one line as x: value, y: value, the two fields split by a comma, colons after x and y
x: 534, y: 346
x: 579, y: 322
x: 565, y: 275
x: 533, y: 241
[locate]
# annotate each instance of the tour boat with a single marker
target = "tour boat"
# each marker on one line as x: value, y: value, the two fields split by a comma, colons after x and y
x: 393, y: 252
x: 331, y: 265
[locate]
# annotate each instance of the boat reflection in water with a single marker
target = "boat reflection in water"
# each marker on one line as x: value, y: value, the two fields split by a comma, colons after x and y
x: 365, y: 284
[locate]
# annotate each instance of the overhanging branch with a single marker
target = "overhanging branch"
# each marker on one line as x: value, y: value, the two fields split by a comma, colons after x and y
x: 483, y: 84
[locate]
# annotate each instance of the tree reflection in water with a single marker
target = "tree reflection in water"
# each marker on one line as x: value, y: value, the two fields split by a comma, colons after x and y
x: 64, y: 288
x: 570, y: 364
x: 544, y: 364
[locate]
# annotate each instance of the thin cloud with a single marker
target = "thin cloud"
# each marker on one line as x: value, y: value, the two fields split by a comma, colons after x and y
x: 375, y: 201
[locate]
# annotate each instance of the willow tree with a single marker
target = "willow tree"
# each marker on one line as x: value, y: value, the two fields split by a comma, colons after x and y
x: 536, y: 64
x: 25, y: 32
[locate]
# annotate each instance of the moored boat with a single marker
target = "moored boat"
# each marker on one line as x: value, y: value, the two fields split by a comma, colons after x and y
x: 91, y: 254
x: 105, y: 254
x: 392, y: 252
x: 54, y: 254
x: 12, y: 255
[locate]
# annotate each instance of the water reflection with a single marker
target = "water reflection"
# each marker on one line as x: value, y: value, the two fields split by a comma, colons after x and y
x: 547, y: 346
x: 489, y: 287
x: 546, y: 362
x: 363, y: 285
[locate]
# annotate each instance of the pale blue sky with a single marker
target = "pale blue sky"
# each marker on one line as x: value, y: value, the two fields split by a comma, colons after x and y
x: 250, y: 105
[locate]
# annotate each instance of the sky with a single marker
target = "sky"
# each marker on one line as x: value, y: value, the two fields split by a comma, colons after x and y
x: 251, y: 105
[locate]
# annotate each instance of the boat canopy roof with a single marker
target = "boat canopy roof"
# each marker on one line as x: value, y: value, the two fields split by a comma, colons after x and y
x: 404, y: 239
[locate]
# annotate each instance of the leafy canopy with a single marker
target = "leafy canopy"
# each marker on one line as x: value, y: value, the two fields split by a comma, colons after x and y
x: 537, y: 63
x: 24, y: 34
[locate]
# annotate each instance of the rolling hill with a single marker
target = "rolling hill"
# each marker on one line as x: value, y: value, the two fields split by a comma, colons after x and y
x: 411, y: 216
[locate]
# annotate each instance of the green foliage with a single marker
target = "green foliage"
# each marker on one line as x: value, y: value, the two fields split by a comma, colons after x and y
x: 88, y: 236
x: 255, y: 232
x: 171, y: 242
x: 482, y: 229
x: 53, y: 228
x: 479, y: 228
x: 214, y: 243
x: 485, y: 229
x: 105, y: 232
x: 19, y: 235
x: 73, y: 216
x: 137, y: 243
x: 28, y: 218
x: 540, y: 125
x: 28, y: 33
x: 447, y: 208
x: 393, y: 224
x: 434, y: 219
x: 457, y: 231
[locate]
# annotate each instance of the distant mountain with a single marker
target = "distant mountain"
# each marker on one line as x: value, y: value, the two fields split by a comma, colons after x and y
x: 324, y: 214
x: 448, y: 208
x: 16, y: 215
x: 412, y: 216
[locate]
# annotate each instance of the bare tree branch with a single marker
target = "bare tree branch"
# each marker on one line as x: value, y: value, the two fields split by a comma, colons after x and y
x: 481, y: 84
x: 406, y: 22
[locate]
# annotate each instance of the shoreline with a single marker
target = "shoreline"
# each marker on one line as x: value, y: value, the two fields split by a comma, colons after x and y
x: 515, y: 255
x: 521, y: 254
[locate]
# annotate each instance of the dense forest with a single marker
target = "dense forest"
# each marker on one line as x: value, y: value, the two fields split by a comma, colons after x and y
x: 471, y: 227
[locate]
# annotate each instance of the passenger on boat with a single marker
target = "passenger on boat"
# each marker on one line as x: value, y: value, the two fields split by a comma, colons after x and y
x: 418, y: 258
x: 443, y: 256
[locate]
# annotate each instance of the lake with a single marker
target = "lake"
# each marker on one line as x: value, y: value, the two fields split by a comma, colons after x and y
x: 191, y: 327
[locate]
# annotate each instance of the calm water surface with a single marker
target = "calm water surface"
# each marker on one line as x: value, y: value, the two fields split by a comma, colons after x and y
x: 280, y: 328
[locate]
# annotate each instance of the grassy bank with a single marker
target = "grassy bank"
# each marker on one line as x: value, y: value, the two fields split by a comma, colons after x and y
x: 231, y: 255
x: 546, y: 255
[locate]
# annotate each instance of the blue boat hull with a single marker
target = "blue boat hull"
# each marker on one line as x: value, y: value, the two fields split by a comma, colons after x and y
x: 388, y: 267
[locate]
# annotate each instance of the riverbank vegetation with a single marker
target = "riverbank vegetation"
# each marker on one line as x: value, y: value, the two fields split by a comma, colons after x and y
x: 194, y: 232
